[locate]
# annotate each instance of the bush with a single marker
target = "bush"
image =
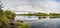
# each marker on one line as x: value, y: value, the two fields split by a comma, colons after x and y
x: 4, y: 17
x: 24, y: 26
x: 18, y: 23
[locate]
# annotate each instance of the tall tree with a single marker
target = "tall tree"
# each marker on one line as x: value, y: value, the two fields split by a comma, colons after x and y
x: 0, y: 9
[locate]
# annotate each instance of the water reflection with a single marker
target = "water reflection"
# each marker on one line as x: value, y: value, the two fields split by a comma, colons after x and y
x: 30, y: 17
x: 26, y: 18
x: 42, y: 23
x: 48, y: 23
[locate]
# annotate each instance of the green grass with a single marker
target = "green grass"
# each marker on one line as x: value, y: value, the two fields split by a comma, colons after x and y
x: 24, y: 26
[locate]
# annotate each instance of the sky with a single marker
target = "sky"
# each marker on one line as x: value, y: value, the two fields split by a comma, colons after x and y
x: 45, y: 6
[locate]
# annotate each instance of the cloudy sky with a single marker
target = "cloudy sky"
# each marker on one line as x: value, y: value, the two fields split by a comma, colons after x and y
x: 45, y: 6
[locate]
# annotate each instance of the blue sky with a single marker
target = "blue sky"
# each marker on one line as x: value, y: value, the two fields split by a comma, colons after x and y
x: 33, y: 5
x: 57, y: 0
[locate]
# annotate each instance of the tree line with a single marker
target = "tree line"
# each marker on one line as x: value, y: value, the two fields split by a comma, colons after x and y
x: 40, y: 14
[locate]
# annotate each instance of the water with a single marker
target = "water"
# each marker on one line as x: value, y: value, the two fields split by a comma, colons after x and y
x: 29, y: 19
x: 48, y: 23
x: 26, y: 18
x: 42, y: 23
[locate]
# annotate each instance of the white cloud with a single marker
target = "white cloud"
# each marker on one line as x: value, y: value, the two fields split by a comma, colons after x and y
x: 37, y: 5
x: 47, y: 6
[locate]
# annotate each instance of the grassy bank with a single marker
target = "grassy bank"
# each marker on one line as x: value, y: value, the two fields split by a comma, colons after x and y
x: 24, y: 26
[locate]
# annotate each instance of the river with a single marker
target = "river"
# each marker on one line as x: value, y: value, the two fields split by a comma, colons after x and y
x: 29, y: 19
x: 35, y: 22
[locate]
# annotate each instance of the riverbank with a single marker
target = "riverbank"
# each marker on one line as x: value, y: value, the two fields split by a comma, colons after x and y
x: 41, y: 14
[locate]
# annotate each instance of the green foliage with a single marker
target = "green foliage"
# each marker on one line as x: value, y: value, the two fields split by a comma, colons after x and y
x: 18, y: 23
x: 24, y: 26
x: 54, y: 14
x: 34, y: 14
x: 41, y: 14
x: 9, y: 14
x: 5, y: 16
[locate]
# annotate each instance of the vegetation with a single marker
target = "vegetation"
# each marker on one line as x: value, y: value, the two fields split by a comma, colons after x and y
x: 54, y: 14
x: 41, y: 14
x: 9, y: 14
x: 24, y: 26
x: 34, y: 14
x: 4, y: 16
x: 18, y: 23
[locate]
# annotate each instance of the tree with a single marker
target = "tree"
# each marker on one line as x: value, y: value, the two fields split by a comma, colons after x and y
x: 9, y: 14
x: 1, y: 9
x: 1, y: 17
x: 4, y: 15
